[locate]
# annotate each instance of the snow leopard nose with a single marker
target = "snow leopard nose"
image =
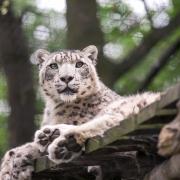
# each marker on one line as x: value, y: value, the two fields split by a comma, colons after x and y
x: 66, y: 79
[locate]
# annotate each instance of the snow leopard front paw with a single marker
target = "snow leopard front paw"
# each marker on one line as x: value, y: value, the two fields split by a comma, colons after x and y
x: 66, y: 148
x: 45, y: 136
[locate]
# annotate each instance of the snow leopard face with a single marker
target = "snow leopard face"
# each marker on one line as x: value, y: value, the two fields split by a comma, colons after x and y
x: 69, y: 74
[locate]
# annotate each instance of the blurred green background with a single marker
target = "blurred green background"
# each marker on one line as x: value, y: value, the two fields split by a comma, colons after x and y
x: 138, y: 42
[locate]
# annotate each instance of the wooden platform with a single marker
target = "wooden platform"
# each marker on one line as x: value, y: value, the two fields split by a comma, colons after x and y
x: 127, y: 151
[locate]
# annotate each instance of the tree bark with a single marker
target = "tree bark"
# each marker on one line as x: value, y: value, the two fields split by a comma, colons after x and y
x: 83, y: 29
x: 159, y: 64
x: 14, y: 57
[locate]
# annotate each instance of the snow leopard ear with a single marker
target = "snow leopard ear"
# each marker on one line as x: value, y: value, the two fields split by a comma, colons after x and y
x: 91, y: 52
x: 39, y: 56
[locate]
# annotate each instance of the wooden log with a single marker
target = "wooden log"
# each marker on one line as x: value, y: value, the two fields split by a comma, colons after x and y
x: 168, y: 170
x: 128, y: 165
x: 169, y: 138
x: 88, y: 160
x: 169, y: 144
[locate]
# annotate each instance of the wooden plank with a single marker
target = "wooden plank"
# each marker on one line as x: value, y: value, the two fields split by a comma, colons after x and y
x: 165, y: 112
x: 150, y: 126
x: 129, y: 160
x: 160, y: 119
x: 42, y: 164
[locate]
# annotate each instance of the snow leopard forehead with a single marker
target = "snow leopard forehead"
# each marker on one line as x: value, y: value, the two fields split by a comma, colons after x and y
x: 67, y: 56
x: 88, y: 54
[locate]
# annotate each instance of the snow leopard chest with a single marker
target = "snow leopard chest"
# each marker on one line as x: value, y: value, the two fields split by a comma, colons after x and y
x: 79, y: 112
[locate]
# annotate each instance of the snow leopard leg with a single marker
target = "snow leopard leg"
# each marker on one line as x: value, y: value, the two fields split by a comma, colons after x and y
x: 17, y: 163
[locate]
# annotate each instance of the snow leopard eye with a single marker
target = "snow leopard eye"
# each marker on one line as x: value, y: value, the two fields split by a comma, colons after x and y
x: 53, y: 66
x: 79, y: 64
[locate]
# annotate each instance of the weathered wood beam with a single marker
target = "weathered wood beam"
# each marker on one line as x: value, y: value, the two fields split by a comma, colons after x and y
x: 165, y: 112
x: 169, y: 144
x: 137, y: 165
x: 44, y: 163
x: 169, y: 138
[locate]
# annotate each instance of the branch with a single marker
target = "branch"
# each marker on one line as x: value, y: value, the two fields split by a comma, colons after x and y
x: 159, y: 64
x: 148, y: 13
x: 148, y: 42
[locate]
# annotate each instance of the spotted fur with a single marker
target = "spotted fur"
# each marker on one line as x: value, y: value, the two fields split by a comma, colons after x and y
x: 77, y: 106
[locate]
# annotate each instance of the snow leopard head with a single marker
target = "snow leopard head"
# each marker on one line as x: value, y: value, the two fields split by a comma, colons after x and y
x: 68, y: 74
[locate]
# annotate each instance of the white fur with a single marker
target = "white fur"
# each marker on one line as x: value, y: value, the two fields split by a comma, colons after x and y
x: 68, y: 98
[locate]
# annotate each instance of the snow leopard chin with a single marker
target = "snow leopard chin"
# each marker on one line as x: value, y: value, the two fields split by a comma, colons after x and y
x: 68, y: 98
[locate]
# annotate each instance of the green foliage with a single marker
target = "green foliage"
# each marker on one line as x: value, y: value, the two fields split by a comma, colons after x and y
x: 176, y: 6
x: 123, y: 27
x: 45, y: 29
x: 167, y: 77
x: 3, y: 116
x: 3, y: 87
x: 21, y: 6
x: 3, y: 134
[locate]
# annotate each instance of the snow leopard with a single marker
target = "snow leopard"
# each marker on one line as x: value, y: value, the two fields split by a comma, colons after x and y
x: 78, y: 106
